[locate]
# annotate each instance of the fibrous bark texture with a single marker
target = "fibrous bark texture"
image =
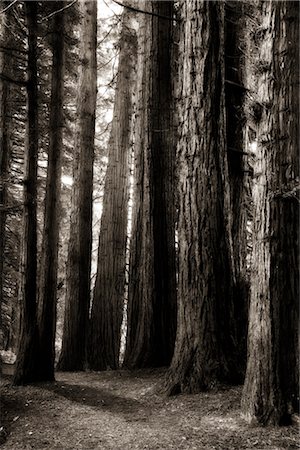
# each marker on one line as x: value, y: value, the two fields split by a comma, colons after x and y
x: 4, y: 149
x: 48, y: 281
x: 205, y: 352
x: 109, y: 291
x: 27, y: 364
x: 152, y: 292
x: 271, y: 387
x: 73, y: 354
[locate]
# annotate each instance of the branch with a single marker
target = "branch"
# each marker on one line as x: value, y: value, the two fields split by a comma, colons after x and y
x: 241, y: 152
x: 12, y: 49
x: 58, y: 11
x: 131, y: 8
x: 9, y: 6
x: 237, y: 85
x: 11, y: 80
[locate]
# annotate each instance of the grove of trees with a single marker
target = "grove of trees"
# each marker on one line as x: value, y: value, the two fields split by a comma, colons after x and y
x: 197, y: 262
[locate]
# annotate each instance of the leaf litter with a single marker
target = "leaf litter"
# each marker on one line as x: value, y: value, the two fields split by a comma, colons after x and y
x: 123, y: 410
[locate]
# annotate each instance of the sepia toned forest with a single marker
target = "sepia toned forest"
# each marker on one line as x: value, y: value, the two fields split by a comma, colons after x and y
x: 149, y: 203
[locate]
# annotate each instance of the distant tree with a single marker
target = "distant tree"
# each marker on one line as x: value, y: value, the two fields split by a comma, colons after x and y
x: 236, y: 32
x: 73, y: 354
x: 27, y: 364
x: 205, y: 351
x: 272, y: 380
x: 151, y: 320
x: 49, y: 261
x: 109, y: 291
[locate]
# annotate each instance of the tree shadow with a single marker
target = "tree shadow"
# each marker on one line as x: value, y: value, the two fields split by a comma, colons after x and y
x: 95, y: 397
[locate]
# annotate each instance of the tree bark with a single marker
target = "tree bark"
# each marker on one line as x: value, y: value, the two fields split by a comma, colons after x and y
x: 205, y: 351
x: 27, y: 364
x: 109, y: 291
x: 272, y: 379
x: 49, y: 263
x: 73, y: 354
x: 152, y: 280
x: 4, y: 154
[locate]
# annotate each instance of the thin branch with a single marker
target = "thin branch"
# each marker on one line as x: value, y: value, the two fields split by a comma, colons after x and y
x: 9, y: 6
x: 131, y: 8
x: 58, y: 11
x: 241, y: 152
x: 240, y: 86
x: 12, y: 49
x: 11, y: 80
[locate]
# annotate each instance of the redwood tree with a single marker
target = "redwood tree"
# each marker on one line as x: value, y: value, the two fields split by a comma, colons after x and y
x: 27, y: 363
x: 236, y: 34
x: 49, y: 263
x: 205, y: 351
x: 109, y: 291
x: 73, y: 354
x: 272, y: 379
x: 152, y: 286
x: 4, y: 144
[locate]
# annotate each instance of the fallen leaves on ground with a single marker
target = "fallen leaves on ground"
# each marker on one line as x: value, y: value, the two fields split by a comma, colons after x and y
x: 122, y: 410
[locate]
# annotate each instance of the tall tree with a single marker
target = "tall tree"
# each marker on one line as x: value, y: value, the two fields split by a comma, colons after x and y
x: 73, y: 354
x: 235, y: 93
x: 4, y: 145
x: 205, y: 351
x: 152, y: 285
x: 27, y: 357
x: 109, y: 291
x: 272, y: 378
x: 49, y: 264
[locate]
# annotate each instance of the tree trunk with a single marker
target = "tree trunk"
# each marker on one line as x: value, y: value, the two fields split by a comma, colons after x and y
x: 108, y: 301
x: 235, y: 67
x: 49, y: 264
x: 152, y: 283
x: 205, y: 351
x: 73, y: 354
x: 27, y: 364
x: 271, y: 387
x: 4, y: 154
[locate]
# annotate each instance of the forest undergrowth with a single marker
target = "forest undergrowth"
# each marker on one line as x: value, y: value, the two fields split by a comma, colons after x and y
x: 122, y: 410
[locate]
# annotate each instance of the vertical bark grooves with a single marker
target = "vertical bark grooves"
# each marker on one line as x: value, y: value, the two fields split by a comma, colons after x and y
x: 205, y: 352
x: 48, y: 282
x: 152, y: 294
x: 4, y: 149
x: 27, y: 358
x: 271, y: 387
x: 108, y: 300
x: 73, y: 354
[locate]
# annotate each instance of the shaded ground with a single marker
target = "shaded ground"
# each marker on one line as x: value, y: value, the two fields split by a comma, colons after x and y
x: 118, y: 410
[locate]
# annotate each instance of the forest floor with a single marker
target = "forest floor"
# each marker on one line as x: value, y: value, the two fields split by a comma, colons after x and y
x: 122, y: 410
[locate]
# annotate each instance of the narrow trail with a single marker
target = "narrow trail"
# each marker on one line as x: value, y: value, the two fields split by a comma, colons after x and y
x: 120, y: 410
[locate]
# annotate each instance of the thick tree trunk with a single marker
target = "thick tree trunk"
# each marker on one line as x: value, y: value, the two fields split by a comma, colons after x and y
x: 48, y: 282
x: 152, y: 284
x: 109, y: 292
x: 27, y: 364
x: 271, y: 387
x: 4, y: 152
x: 73, y: 354
x: 235, y: 67
x: 205, y: 352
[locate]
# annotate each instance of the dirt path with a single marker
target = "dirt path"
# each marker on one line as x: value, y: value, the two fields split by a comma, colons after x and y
x: 118, y: 410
